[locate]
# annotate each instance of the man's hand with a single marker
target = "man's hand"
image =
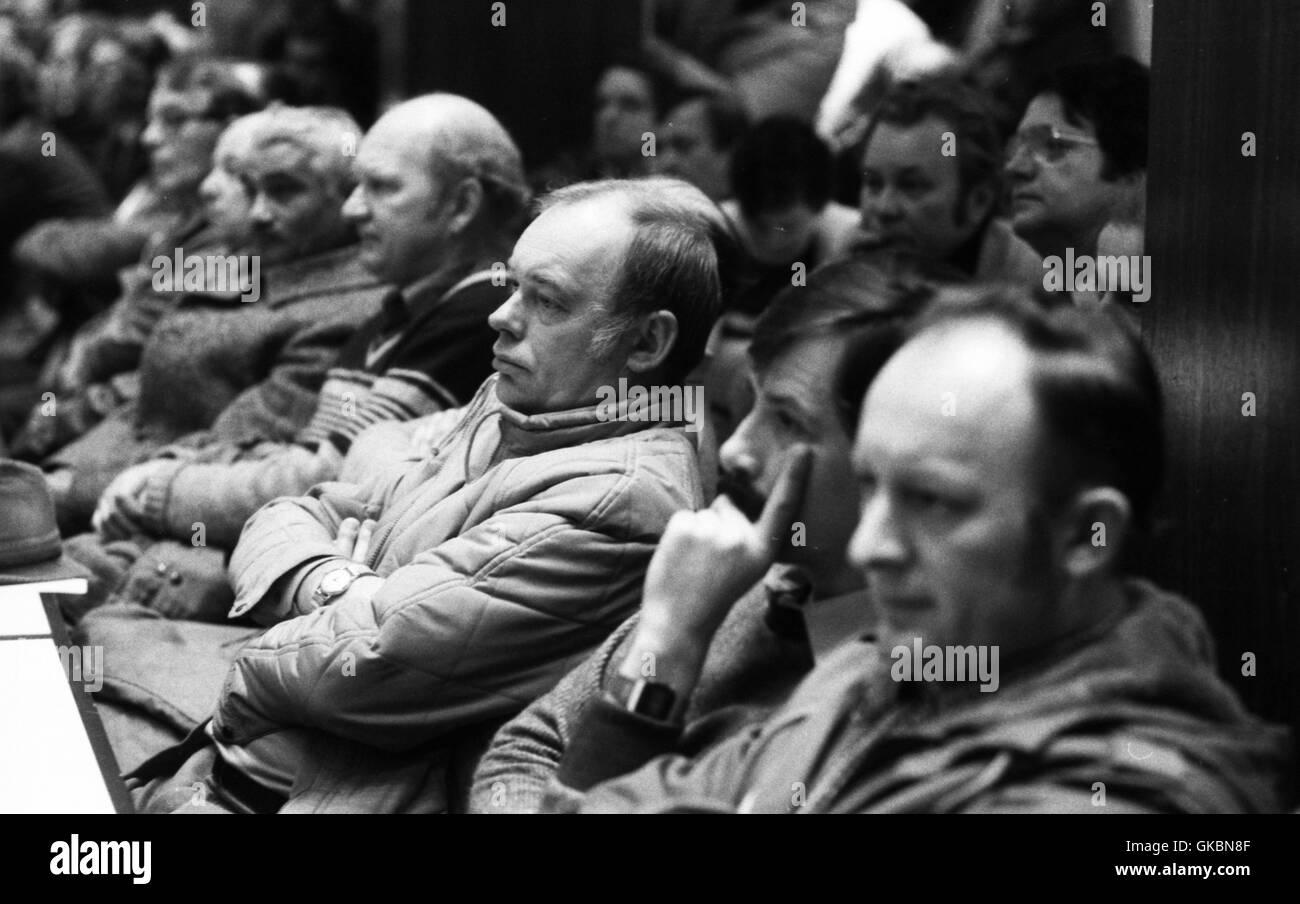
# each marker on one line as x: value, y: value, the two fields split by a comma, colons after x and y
x: 704, y: 563
x: 353, y: 541
x: 118, y: 515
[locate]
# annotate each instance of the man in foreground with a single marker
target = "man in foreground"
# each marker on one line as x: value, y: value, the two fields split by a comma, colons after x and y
x: 1008, y: 457
x: 442, y: 596
x: 726, y: 666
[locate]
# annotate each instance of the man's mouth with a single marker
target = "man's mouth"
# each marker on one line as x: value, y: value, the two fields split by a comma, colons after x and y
x: 499, y: 359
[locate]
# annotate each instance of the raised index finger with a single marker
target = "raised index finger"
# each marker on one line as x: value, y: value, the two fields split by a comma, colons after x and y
x: 783, y: 504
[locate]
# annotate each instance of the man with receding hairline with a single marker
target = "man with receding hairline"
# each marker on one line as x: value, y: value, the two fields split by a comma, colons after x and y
x: 1007, y: 457
x: 412, y: 612
x: 440, y: 192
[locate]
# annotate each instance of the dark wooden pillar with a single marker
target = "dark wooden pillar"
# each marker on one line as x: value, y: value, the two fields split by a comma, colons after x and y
x: 1223, y: 232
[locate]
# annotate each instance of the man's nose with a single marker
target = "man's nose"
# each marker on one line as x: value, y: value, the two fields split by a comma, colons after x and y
x: 877, y: 543
x: 355, y: 208
x: 738, y: 455
x: 1021, y: 165
x: 260, y: 212
x: 152, y: 137
x: 887, y: 204
x: 507, y: 318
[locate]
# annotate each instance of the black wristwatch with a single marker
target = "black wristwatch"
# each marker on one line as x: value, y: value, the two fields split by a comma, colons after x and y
x: 645, y: 698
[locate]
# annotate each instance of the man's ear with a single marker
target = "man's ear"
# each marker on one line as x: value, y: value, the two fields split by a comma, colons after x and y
x: 979, y: 202
x: 654, y: 339
x: 1095, y: 527
x: 466, y: 201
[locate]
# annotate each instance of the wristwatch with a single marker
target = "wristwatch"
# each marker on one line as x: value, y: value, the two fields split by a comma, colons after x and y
x: 645, y: 698
x: 336, y: 581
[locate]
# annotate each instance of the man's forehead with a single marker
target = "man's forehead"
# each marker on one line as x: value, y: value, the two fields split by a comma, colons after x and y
x: 962, y: 391
x: 278, y: 157
x: 395, y: 150
x: 592, y: 231
x: 803, y: 372
x: 920, y: 143
x: 1047, y: 109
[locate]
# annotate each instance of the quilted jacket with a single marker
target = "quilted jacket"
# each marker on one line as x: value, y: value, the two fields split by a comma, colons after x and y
x: 508, y: 554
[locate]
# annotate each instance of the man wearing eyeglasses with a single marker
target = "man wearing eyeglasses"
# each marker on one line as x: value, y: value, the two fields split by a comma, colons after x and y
x: 192, y: 103
x: 1078, y: 160
x: 931, y: 182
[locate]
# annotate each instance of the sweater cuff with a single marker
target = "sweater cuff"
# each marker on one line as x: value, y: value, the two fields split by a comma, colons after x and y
x: 157, y: 494
x: 609, y: 741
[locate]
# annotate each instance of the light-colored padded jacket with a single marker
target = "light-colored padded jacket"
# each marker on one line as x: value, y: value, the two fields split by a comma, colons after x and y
x: 508, y: 555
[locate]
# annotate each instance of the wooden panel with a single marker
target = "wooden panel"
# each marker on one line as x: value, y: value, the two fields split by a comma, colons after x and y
x: 1224, y: 235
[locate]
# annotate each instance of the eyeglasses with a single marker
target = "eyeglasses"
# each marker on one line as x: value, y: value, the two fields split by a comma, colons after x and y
x: 1045, y: 143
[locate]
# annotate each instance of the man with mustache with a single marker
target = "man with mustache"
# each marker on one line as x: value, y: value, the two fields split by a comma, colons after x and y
x: 1008, y: 458
x: 218, y: 365
x: 714, y: 667
x: 439, y: 198
x: 423, y: 607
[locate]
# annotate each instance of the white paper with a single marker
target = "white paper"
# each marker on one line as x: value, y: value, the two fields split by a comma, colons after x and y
x: 46, y: 762
x: 21, y: 613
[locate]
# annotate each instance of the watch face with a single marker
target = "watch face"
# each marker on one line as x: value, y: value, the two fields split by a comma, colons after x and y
x: 653, y: 700
x: 336, y: 581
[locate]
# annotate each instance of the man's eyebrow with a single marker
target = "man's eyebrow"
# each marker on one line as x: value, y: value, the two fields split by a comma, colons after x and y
x: 778, y: 397
x: 551, y: 277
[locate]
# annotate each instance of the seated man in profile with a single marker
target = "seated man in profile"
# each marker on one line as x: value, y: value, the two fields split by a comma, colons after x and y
x: 444, y: 595
x: 815, y: 348
x: 439, y: 200
x: 1008, y: 457
x: 1079, y: 157
x: 932, y: 181
x: 243, y: 365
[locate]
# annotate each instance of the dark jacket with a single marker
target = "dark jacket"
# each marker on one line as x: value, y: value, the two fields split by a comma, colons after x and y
x: 234, y: 371
x: 1130, y: 717
x: 754, y: 662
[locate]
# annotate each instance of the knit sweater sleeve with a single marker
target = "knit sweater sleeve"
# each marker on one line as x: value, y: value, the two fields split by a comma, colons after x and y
x: 514, y: 774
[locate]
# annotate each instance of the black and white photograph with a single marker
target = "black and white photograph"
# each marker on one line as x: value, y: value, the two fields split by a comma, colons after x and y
x: 456, y: 407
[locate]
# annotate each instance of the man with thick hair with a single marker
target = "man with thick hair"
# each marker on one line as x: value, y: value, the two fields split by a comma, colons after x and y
x: 1007, y: 455
x: 242, y: 363
x: 730, y: 661
x: 931, y: 181
x: 446, y: 593
x: 1079, y: 158
x: 439, y: 198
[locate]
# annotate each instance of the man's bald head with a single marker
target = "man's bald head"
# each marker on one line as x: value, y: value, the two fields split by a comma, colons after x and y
x: 438, y: 176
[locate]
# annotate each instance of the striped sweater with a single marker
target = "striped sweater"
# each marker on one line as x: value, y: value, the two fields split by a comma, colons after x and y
x: 417, y: 356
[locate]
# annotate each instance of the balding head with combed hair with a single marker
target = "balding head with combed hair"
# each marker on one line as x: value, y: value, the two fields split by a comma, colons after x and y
x: 679, y: 260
